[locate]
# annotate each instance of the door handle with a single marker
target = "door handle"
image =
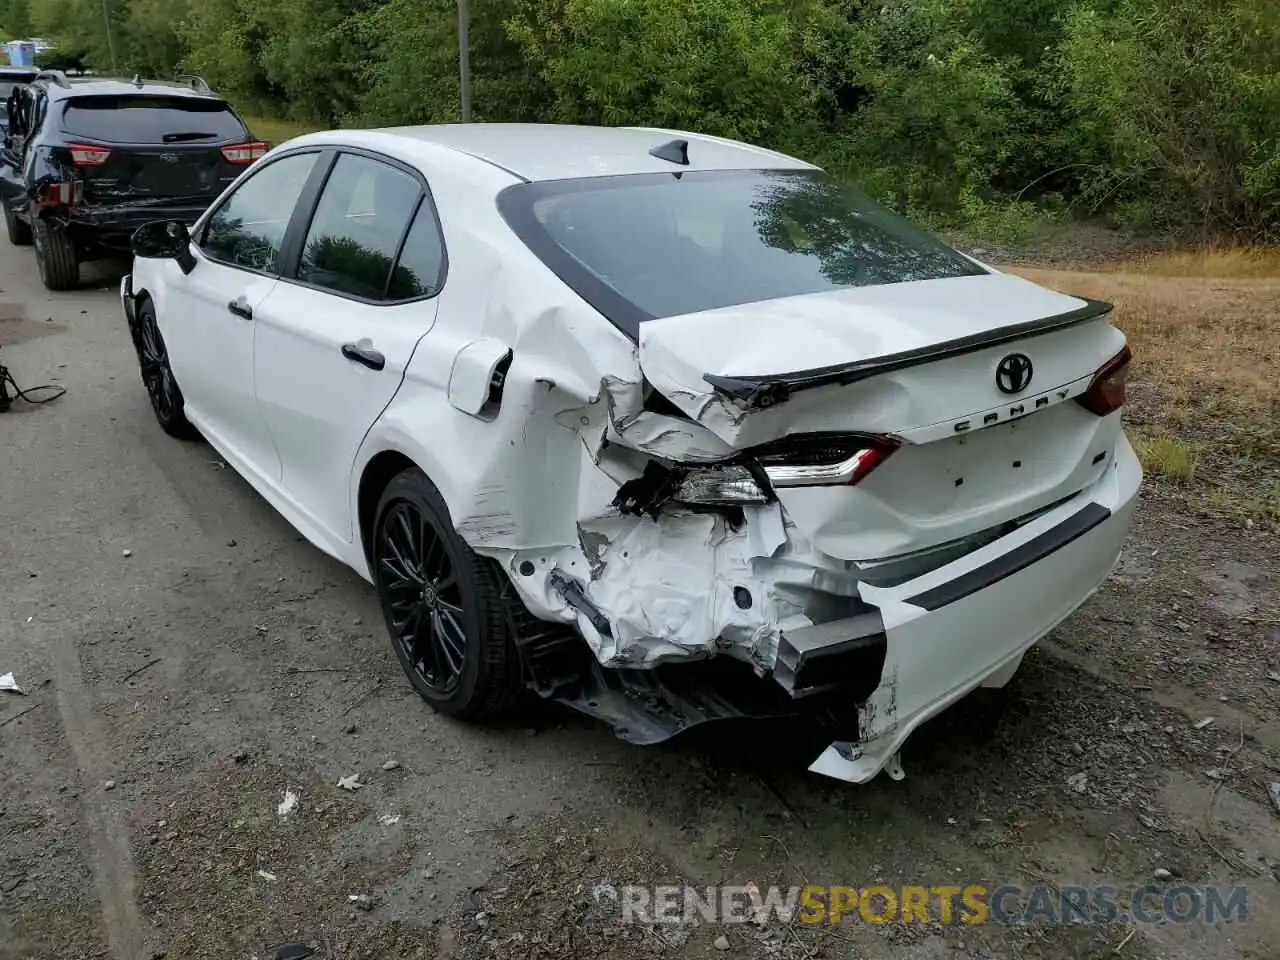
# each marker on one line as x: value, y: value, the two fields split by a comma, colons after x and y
x: 240, y: 307
x: 368, y: 356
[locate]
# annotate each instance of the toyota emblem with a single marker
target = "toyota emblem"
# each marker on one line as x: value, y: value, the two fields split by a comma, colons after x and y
x: 1013, y: 373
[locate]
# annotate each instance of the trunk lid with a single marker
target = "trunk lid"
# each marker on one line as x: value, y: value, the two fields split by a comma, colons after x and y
x: 916, y: 361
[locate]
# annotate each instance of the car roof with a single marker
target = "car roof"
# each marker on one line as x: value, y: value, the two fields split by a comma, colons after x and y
x: 96, y: 86
x: 549, y: 151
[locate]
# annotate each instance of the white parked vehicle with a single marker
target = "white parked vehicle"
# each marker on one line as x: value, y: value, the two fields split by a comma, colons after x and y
x: 663, y: 426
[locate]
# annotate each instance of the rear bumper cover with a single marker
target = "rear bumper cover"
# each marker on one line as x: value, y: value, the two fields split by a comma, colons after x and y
x: 114, y: 226
x: 969, y: 623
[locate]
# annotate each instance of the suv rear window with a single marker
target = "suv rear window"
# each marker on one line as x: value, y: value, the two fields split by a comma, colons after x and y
x: 151, y: 119
x: 659, y: 245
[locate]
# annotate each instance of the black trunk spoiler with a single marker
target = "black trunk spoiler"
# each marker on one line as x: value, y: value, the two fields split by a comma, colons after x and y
x: 769, y: 389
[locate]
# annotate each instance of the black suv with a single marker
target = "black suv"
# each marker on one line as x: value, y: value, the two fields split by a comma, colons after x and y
x: 88, y: 160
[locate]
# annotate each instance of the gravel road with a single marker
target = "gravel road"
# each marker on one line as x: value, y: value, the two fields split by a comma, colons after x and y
x: 191, y: 664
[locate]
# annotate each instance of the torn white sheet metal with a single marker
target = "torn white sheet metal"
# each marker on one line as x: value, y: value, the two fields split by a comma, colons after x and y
x: 9, y: 685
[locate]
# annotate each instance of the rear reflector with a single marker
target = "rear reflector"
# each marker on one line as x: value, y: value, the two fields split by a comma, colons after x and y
x: 1106, y: 394
x: 84, y: 155
x: 245, y: 152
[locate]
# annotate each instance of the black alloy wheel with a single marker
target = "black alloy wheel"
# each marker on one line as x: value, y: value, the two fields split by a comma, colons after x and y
x: 157, y: 376
x: 444, y: 606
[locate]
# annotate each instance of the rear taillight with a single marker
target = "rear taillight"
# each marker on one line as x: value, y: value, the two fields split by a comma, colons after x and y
x: 57, y: 194
x: 83, y: 155
x: 823, y: 461
x: 245, y: 152
x: 1106, y: 393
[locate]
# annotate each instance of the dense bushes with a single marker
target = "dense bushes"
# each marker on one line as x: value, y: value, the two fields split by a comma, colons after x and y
x: 1160, y: 113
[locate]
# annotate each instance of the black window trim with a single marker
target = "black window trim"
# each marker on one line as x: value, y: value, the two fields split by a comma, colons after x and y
x: 516, y: 203
x: 202, y: 225
x: 296, y: 235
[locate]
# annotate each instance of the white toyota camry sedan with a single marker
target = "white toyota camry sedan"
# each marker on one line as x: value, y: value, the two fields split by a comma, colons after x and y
x: 668, y: 428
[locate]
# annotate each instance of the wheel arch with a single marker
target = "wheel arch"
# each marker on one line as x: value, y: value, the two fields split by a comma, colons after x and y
x: 381, y: 468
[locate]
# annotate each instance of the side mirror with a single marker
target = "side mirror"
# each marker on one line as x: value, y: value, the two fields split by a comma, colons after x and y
x: 164, y: 240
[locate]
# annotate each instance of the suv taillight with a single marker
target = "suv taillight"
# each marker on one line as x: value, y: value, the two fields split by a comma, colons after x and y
x: 1106, y: 393
x: 57, y: 194
x: 84, y: 155
x: 245, y: 152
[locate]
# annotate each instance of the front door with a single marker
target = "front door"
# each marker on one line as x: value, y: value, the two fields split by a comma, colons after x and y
x: 208, y: 316
x: 333, y: 340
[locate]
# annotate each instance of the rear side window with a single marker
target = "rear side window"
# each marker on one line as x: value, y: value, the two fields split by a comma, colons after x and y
x: 659, y: 245
x: 357, y: 229
x: 152, y: 119
x: 420, y: 269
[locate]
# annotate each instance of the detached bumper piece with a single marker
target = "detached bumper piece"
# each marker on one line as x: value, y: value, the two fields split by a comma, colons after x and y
x: 645, y: 707
x: 847, y: 654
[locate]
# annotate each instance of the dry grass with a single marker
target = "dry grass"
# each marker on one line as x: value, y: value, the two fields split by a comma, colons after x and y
x: 1222, y: 263
x: 1205, y: 387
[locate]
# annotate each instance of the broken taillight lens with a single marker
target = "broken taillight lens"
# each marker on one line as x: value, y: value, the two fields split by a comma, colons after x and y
x: 1106, y: 393
x: 57, y: 194
x: 245, y: 152
x: 84, y: 155
x: 720, y: 486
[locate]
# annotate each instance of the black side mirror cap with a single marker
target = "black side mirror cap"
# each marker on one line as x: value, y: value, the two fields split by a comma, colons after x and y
x: 164, y: 240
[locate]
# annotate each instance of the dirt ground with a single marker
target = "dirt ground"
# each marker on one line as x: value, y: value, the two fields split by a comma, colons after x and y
x: 190, y: 664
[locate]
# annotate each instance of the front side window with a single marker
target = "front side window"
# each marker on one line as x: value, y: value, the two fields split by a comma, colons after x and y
x: 358, y: 226
x: 248, y: 227
x: 658, y: 245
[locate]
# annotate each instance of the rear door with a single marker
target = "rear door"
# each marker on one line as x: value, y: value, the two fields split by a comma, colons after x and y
x: 149, y: 148
x: 336, y: 334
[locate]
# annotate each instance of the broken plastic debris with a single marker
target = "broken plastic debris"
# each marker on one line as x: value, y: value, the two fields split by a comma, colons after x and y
x: 288, y: 804
x: 1201, y: 724
x: 10, y: 685
x: 1273, y: 789
x: 361, y: 901
x: 266, y: 876
x: 1079, y: 782
x: 350, y: 783
x: 389, y: 819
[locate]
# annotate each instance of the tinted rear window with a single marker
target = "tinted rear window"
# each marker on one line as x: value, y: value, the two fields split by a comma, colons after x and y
x: 659, y: 245
x: 152, y: 119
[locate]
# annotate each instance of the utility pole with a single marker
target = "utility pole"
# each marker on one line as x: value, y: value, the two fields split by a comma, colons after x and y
x: 111, y: 47
x: 464, y: 60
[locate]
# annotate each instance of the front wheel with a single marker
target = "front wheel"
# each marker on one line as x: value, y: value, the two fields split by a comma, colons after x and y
x: 56, y: 257
x: 157, y: 377
x: 443, y: 604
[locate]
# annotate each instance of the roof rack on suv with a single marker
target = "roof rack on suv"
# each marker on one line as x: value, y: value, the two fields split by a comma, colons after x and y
x: 57, y: 76
x: 195, y: 82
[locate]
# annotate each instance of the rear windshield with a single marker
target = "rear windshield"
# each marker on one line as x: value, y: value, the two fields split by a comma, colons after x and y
x: 151, y: 119
x: 660, y: 245
x: 7, y: 84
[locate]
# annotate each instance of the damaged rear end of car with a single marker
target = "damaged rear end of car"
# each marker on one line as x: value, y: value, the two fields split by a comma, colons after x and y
x: 855, y: 475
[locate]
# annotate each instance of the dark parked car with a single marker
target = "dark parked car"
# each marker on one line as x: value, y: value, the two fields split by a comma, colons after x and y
x: 88, y: 160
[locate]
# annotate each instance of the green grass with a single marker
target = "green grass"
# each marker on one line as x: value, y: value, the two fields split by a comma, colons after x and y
x: 1167, y: 457
x: 277, y: 131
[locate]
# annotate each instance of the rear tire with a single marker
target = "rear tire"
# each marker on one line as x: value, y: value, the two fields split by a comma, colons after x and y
x: 444, y: 605
x: 19, y: 231
x: 56, y: 257
x: 157, y: 377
